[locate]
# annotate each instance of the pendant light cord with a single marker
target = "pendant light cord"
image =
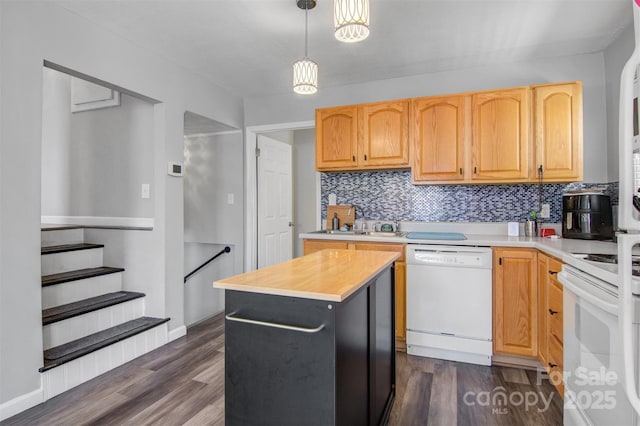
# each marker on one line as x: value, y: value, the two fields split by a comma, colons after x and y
x: 306, y: 24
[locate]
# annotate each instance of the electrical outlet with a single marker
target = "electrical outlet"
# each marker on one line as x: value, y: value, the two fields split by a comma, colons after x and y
x: 545, y: 211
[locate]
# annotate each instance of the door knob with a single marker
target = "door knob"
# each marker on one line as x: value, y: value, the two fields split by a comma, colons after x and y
x: 291, y: 224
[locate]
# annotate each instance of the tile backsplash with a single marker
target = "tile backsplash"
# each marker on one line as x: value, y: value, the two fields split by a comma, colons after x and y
x: 390, y: 195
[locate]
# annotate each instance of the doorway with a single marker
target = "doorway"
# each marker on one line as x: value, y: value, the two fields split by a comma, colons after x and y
x: 305, y: 183
x: 275, y: 201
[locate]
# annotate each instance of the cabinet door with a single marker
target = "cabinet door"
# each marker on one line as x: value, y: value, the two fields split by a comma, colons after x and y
x: 558, y: 131
x: 500, y: 142
x: 312, y: 246
x: 439, y: 137
x: 401, y: 283
x: 384, y: 134
x: 515, y: 298
x: 543, y: 284
x: 401, y: 301
x: 336, y: 138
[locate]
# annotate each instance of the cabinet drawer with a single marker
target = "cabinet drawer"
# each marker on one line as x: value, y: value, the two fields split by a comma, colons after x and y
x: 398, y: 248
x: 555, y: 309
x: 554, y: 365
x: 312, y: 246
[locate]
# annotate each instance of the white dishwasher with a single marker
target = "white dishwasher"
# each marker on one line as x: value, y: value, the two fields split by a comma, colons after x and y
x: 449, y: 297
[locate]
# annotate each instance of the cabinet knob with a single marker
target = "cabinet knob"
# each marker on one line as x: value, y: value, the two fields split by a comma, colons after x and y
x: 552, y: 365
x: 365, y: 157
x: 353, y: 158
x: 475, y: 170
x: 553, y: 272
x: 552, y: 312
x: 460, y: 170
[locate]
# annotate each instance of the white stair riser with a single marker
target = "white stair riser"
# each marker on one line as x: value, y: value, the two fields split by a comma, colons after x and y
x: 80, y: 370
x: 71, y: 260
x: 73, y: 291
x: 62, y: 236
x: 62, y: 332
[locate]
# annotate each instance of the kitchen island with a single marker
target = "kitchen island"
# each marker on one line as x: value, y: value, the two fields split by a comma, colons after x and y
x: 311, y: 341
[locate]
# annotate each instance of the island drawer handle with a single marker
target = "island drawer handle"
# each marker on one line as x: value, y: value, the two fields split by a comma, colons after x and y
x: 230, y: 317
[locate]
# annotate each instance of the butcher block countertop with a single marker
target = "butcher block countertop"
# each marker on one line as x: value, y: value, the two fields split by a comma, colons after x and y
x: 331, y: 275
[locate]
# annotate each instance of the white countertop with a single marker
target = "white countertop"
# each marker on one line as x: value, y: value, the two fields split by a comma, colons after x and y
x: 561, y: 248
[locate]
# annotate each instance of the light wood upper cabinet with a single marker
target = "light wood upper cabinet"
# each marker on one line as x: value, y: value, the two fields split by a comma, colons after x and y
x: 515, y: 302
x: 363, y: 137
x: 337, y: 138
x: 493, y: 136
x: 384, y: 134
x: 500, y: 140
x: 558, y: 131
x: 439, y: 138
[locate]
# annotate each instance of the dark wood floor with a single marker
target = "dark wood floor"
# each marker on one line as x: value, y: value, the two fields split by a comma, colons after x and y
x: 182, y: 383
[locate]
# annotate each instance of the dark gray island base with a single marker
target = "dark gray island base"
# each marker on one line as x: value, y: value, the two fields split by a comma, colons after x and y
x: 302, y: 361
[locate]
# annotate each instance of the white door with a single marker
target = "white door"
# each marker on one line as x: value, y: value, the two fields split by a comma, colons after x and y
x: 275, y: 209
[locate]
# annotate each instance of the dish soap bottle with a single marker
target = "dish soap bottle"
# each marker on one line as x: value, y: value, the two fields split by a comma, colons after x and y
x: 335, y: 222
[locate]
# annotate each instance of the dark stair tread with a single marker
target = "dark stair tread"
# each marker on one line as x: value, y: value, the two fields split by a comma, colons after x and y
x: 70, y: 310
x: 68, y: 247
x: 59, y: 355
x: 78, y: 274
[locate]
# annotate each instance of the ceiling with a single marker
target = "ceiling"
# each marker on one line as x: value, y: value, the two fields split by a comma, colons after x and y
x: 249, y: 46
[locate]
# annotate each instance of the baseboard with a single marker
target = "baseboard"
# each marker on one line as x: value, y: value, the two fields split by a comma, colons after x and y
x: 516, y: 362
x: 142, y: 223
x: 21, y: 403
x: 176, y: 333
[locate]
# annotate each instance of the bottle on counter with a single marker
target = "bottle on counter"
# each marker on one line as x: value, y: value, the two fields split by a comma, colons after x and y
x: 335, y: 222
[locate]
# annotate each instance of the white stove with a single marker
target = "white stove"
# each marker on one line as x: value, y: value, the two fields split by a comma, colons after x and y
x: 605, y: 267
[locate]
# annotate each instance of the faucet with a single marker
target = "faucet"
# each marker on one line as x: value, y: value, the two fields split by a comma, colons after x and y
x: 397, y: 225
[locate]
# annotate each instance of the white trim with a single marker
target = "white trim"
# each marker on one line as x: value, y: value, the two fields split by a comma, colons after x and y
x: 220, y: 133
x: 318, y: 202
x: 145, y: 223
x: 22, y: 402
x: 176, y: 333
x: 251, y: 190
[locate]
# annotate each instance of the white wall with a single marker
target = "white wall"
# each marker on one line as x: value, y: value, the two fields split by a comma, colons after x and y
x: 32, y: 32
x: 201, y: 300
x: 615, y: 56
x: 213, y: 169
x: 587, y: 68
x: 304, y: 186
x: 94, y: 162
x: 56, y: 143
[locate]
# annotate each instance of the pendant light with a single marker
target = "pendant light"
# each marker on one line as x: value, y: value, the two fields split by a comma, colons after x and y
x: 305, y: 71
x: 351, y: 20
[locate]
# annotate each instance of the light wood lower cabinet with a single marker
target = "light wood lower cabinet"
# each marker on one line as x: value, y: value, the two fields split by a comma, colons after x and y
x: 550, y: 339
x: 515, y: 302
x: 311, y: 246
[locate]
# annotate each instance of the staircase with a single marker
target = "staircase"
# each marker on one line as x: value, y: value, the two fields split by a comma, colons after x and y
x: 89, y: 324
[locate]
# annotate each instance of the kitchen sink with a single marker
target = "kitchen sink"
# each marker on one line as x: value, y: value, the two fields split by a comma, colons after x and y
x: 367, y: 233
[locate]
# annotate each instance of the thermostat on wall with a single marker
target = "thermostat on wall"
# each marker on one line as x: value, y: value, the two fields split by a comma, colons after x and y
x: 174, y: 169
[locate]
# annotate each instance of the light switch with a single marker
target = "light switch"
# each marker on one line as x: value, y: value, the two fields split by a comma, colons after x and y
x: 230, y: 198
x: 146, y: 192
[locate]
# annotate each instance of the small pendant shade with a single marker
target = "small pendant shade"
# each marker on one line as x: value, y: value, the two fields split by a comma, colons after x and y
x: 305, y: 77
x: 351, y: 20
x: 305, y: 71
